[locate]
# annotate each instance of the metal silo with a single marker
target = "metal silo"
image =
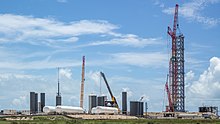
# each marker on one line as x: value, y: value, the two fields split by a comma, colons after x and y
x: 101, y: 100
x: 32, y: 102
x: 42, y: 101
x: 124, y: 102
x: 58, y: 100
x: 136, y: 108
x: 92, y: 101
x: 36, y: 103
x: 141, y: 108
x: 134, y: 105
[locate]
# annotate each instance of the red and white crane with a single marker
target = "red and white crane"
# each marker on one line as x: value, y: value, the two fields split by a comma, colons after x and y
x: 175, y: 88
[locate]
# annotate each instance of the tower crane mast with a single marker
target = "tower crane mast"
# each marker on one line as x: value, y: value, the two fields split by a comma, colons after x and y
x: 82, y: 82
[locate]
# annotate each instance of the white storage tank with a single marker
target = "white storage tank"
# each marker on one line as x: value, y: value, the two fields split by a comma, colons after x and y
x: 49, y: 109
x: 104, y: 110
x: 69, y: 110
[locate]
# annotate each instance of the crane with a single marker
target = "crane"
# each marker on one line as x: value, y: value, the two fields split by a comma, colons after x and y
x: 173, y: 59
x: 176, y: 68
x: 170, y: 107
x: 82, y: 82
x: 114, y: 101
x: 142, y: 97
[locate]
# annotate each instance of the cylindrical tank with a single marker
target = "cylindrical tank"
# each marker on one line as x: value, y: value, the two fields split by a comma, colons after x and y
x: 141, y: 108
x: 58, y: 100
x: 69, y: 110
x: 92, y: 101
x: 136, y: 108
x: 32, y: 103
x: 36, y: 102
x: 146, y: 106
x: 42, y: 101
x: 124, y: 102
x: 104, y: 110
x: 49, y: 109
x: 101, y: 100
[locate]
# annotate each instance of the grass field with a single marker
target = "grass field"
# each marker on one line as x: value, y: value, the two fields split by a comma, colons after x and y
x: 65, y: 120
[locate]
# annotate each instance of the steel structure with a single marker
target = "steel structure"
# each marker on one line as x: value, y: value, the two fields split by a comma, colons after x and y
x: 58, y: 97
x: 176, y: 69
x: 82, y: 82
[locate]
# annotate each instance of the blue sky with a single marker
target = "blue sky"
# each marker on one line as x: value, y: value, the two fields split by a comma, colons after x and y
x: 127, y: 40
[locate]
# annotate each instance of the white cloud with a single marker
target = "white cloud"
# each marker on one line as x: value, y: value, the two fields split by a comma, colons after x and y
x: 39, y: 64
x: 21, y: 101
x: 193, y: 11
x: 141, y: 59
x: 18, y: 28
x: 208, y: 84
x: 128, y: 40
x: 94, y: 76
x: 189, y: 77
x: 65, y: 72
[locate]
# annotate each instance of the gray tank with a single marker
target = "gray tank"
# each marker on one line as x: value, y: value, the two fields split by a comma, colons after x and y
x: 92, y: 102
x: 124, y: 102
x: 101, y: 100
x: 32, y: 103
x: 136, y: 108
x: 42, y: 101
x: 58, y: 100
x: 36, y: 103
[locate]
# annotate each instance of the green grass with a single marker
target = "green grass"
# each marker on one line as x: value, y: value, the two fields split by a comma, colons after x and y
x: 65, y: 120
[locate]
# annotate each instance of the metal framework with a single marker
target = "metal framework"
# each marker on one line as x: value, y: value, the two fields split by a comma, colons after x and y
x: 58, y: 97
x: 82, y: 82
x: 176, y: 69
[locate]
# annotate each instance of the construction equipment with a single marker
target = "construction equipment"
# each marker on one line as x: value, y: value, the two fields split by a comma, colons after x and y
x: 113, y: 102
x: 142, y: 97
x: 176, y: 68
x: 82, y: 82
x: 170, y: 107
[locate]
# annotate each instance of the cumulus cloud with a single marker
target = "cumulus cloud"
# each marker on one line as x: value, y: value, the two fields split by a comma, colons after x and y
x: 189, y: 77
x: 94, y: 76
x: 208, y: 84
x: 65, y: 72
x: 192, y: 11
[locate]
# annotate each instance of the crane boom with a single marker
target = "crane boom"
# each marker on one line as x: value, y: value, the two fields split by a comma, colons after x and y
x: 173, y: 69
x: 82, y: 82
x: 109, y: 90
